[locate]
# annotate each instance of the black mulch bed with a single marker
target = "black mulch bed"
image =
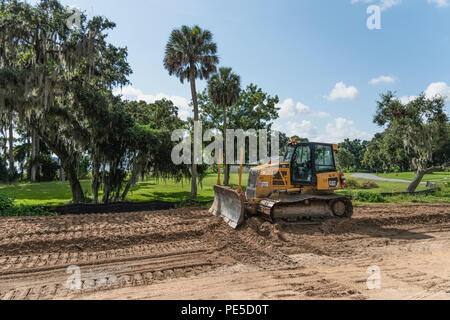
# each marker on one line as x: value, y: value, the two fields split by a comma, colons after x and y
x: 120, y: 207
x: 408, y: 193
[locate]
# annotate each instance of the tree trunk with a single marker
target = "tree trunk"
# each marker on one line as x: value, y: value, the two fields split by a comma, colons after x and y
x: 416, y: 182
x: 68, y: 159
x: 196, y: 118
x: 38, y: 151
x: 33, y: 156
x: 4, y: 141
x: 5, y: 146
x: 421, y: 173
x: 12, y: 170
x: 106, y: 185
x: 226, y: 167
x: 75, y: 186
x: 95, y: 178
x: 132, y: 182
x: 69, y: 169
x: 127, y: 189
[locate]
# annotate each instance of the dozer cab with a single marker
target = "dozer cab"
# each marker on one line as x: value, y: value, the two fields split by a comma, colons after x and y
x: 301, y: 187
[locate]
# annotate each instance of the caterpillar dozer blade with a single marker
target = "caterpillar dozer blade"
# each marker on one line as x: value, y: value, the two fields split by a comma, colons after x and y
x: 305, y: 206
x: 230, y: 205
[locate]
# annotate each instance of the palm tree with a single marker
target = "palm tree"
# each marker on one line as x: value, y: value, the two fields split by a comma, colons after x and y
x: 191, y: 54
x: 224, y: 88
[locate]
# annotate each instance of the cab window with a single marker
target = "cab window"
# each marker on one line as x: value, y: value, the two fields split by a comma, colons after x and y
x: 324, y: 159
x: 302, y: 165
x: 289, y: 154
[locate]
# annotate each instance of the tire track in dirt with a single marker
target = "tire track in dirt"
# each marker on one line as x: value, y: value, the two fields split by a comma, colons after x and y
x: 155, y: 245
x: 149, y: 228
x: 132, y: 252
x: 31, y: 228
x: 56, y: 289
x: 49, y: 261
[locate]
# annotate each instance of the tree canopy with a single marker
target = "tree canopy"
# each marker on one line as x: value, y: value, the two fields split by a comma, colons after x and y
x: 357, y: 149
x: 422, y: 124
x: 60, y: 82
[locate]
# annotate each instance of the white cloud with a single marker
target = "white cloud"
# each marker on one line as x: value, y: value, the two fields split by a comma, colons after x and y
x: 321, y: 114
x: 301, y: 108
x: 382, y: 79
x: 435, y: 89
x: 341, y: 91
x: 334, y: 132
x: 438, y: 89
x: 406, y: 99
x: 286, y: 108
x: 440, y: 3
x: 289, y: 109
x: 387, y: 4
x: 304, y: 129
x: 134, y: 94
x: 384, y: 4
x: 341, y: 129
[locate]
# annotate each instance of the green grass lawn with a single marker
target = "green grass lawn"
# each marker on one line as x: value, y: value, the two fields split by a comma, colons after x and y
x: 434, y: 177
x: 393, y: 187
x: 58, y: 193
x: 387, y: 187
x: 175, y: 192
x: 44, y: 193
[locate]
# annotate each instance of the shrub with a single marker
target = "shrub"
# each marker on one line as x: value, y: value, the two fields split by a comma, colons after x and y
x: 369, y: 185
x: 352, y: 184
x: 5, y: 202
x: 9, y: 209
x: 369, y: 197
x: 49, y: 168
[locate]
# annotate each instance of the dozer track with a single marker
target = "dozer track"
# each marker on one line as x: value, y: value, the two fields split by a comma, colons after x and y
x: 303, y: 207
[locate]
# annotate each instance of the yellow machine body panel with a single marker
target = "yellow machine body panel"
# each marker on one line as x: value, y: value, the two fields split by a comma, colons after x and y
x: 325, y: 181
x: 274, y: 179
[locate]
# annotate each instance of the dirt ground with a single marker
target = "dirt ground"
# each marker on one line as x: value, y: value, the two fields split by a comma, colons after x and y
x: 189, y: 254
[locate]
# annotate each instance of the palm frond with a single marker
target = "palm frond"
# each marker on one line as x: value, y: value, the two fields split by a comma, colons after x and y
x: 191, y: 49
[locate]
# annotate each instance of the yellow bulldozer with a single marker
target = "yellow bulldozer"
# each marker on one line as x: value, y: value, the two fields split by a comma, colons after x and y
x: 301, y: 187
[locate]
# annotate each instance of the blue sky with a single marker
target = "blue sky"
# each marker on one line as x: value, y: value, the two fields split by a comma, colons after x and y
x: 318, y: 56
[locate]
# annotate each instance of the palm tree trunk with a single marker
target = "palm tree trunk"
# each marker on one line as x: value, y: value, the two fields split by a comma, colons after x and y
x: 226, y: 166
x: 196, y: 118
